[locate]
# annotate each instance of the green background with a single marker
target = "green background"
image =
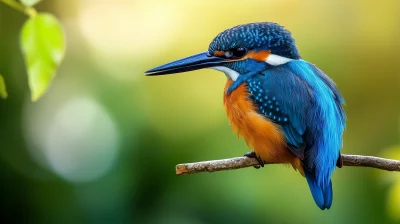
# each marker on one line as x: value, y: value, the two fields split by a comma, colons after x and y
x: 102, y: 144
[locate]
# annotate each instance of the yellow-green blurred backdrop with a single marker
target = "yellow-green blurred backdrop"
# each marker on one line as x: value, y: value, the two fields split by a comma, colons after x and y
x: 102, y: 144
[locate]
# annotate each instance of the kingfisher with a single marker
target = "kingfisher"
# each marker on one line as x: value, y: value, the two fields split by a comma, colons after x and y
x: 287, y: 110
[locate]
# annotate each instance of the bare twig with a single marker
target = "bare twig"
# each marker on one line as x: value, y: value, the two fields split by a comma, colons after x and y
x: 242, y: 162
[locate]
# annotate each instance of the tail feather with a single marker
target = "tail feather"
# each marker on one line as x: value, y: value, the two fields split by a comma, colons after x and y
x: 322, y: 196
x: 328, y: 195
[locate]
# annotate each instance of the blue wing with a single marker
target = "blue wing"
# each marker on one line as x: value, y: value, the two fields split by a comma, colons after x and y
x: 339, y: 100
x: 308, y: 106
x: 284, y: 98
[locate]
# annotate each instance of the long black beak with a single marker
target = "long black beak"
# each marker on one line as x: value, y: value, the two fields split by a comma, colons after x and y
x: 198, y: 61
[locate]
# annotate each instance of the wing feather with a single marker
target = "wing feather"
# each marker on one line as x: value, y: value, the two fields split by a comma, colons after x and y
x: 284, y: 98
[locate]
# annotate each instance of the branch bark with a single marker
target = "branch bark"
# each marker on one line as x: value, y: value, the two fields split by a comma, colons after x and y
x: 242, y: 162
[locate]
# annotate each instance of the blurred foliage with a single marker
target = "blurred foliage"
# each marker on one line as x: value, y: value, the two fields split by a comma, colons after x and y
x: 3, y: 90
x: 102, y: 145
x: 393, y: 197
x: 393, y: 204
x: 43, y: 45
x: 30, y: 2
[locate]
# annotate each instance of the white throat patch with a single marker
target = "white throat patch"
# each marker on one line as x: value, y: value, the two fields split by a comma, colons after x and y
x: 228, y: 72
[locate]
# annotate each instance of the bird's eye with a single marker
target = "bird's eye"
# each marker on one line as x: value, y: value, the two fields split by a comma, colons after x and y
x: 239, y: 52
x: 228, y: 54
x: 235, y: 53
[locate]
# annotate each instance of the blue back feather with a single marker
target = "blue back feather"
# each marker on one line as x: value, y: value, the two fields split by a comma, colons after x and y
x: 308, y: 107
x: 283, y: 98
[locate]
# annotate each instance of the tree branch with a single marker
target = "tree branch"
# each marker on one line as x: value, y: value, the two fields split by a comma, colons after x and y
x: 242, y: 162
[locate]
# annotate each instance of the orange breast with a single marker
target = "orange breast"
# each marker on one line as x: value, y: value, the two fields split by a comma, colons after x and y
x: 263, y: 136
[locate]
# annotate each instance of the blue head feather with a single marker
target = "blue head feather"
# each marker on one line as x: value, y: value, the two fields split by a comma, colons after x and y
x: 257, y: 36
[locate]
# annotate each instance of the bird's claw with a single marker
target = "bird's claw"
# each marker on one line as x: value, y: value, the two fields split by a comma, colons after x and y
x: 252, y: 154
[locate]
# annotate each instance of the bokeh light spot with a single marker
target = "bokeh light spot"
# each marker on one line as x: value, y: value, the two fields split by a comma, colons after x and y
x: 77, y: 138
x: 81, y: 142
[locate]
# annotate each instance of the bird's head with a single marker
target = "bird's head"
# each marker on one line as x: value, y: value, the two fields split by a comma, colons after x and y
x: 239, y: 50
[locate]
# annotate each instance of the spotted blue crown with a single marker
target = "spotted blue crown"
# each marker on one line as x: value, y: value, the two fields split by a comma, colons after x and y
x: 257, y: 36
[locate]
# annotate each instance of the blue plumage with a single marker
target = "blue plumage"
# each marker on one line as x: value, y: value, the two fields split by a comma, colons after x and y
x: 258, y: 35
x: 307, y: 105
x: 286, y: 92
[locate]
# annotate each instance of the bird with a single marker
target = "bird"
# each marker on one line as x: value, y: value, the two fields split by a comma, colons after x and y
x: 287, y: 109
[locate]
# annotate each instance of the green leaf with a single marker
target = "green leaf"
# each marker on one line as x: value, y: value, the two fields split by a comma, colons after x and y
x: 43, y: 46
x: 3, y: 91
x: 30, y: 2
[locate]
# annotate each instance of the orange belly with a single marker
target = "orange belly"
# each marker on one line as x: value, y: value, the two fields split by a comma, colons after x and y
x: 263, y: 136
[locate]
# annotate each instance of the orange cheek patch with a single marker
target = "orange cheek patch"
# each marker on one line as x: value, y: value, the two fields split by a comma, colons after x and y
x: 258, y: 55
x: 219, y: 53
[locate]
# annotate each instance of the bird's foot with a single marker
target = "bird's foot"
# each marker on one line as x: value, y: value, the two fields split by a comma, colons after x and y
x: 252, y: 154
